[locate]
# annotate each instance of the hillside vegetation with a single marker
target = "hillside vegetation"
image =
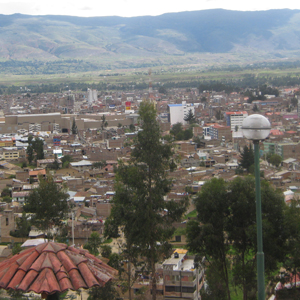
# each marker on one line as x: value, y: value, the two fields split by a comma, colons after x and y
x: 63, y: 44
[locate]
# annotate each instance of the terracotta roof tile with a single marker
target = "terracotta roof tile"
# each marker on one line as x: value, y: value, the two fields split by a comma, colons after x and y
x: 15, y: 282
x: 27, y: 280
x: 9, y: 272
x: 66, y: 261
x: 77, y: 280
x: 53, y: 267
x: 46, y: 281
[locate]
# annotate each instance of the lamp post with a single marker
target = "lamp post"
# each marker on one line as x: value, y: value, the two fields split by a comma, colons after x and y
x: 256, y: 128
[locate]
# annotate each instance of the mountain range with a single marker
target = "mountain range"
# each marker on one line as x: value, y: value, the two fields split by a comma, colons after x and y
x: 171, y: 37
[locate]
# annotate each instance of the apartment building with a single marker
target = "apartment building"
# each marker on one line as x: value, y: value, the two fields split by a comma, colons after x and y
x: 235, y: 119
x: 181, y: 280
x: 10, y: 153
x: 285, y: 150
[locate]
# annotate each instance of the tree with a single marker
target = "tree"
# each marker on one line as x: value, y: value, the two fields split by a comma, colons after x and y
x: 255, y: 108
x: 106, y: 251
x: 209, y: 240
x: 219, y: 115
x: 227, y: 216
x: 74, y: 127
x: 48, y: 203
x: 65, y: 160
x: 138, y: 204
x: 29, y: 150
x: 54, y: 165
x: 106, y: 292
x: 292, y: 262
x: 23, y: 226
x: 104, y: 123
x: 93, y: 243
x: 131, y: 127
x: 241, y: 232
x: 177, y: 131
x: 190, y: 118
x: 6, y: 192
x: 162, y: 90
x: 294, y: 101
x: 99, y: 164
x: 38, y: 146
x: 274, y: 159
x: 35, y: 149
x: 247, y: 158
x: 16, y: 248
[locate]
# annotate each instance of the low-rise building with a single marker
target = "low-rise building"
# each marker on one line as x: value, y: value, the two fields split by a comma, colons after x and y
x: 181, y: 279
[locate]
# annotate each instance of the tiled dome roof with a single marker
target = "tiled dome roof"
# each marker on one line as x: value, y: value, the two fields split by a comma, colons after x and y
x: 53, y: 267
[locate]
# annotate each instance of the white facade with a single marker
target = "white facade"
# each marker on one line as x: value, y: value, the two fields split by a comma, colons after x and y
x: 235, y: 120
x: 179, y: 111
x: 92, y: 96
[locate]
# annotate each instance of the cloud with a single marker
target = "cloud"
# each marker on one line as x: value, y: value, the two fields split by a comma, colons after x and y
x: 86, y: 8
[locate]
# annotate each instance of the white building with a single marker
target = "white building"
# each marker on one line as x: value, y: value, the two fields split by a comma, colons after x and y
x: 177, y: 112
x: 92, y: 96
x: 235, y: 119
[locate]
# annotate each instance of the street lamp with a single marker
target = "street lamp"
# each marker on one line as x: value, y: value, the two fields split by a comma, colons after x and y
x: 256, y: 128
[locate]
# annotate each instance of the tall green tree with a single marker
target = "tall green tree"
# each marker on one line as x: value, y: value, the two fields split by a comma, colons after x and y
x: 247, y: 158
x: 74, y: 128
x: 104, y: 123
x: 292, y: 261
x: 35, y: 149
x: 47, y: 203
x: 38, y: 146
x: 219, y: 115
x: 30, y: 150
x: 190, y: 117
x: 209, y: 239
x: 226, y: 228
x: 241, y: 231
x: 138, y: 205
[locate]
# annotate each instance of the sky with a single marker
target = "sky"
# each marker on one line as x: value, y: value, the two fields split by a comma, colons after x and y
x: 131, y: 8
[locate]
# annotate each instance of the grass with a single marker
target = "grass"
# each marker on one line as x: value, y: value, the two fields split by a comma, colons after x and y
x: 180, y: 231
x: 108, y: 241
x: 192, y: 214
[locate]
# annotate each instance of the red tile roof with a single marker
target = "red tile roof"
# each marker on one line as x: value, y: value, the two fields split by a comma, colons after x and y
x: 53, y: 267
x: 37, y: 172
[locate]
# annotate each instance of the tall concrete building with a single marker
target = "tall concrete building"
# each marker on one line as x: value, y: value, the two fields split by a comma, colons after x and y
x: 235, y: 119
x: 92, y: 96
x: 177, y: 112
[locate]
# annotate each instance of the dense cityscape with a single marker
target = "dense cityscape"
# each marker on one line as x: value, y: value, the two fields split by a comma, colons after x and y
x: 80, y: 147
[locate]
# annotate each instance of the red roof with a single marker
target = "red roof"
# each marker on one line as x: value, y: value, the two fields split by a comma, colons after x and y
x: 236, y: 113
x: 53, y: 267
x: 276, y: 132
x: 37, y: 172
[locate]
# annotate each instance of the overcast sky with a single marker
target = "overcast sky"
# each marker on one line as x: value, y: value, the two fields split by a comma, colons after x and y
x: 130, y: 8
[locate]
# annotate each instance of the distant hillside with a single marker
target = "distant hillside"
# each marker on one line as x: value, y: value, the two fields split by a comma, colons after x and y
x: 141, y: 41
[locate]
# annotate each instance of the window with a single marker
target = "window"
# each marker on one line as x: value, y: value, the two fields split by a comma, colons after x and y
x: 187, y: 289
x: 172, y: 288
x: 7, y: 221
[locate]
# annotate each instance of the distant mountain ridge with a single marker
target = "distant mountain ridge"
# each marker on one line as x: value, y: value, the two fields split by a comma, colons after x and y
x: 112, y: 39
